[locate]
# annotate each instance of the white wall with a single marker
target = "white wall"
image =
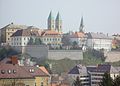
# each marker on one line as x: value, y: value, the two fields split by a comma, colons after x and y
x: 100, y: 44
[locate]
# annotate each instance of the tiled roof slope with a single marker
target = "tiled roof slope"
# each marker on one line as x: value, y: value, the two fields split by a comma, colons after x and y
x: 78, y: 69
x: 26, y: 32
x: 12, y: 25
x: 44, y: 70
x: 10, y: 71
x: 78, y: 35
x: 50, y: 32
x: 35, y: 71
x: 97, y: 36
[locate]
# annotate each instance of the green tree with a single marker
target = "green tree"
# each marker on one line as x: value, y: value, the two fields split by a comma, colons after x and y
x: 75, y: 45
x: 31, y: 42
x: 38, y: 41
x: 117, y: 81
x: 7, y: 51
x: 77, y: 82
x: 107, y: 80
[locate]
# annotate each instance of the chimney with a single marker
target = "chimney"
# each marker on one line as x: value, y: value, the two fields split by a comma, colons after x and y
x: 14, y: 60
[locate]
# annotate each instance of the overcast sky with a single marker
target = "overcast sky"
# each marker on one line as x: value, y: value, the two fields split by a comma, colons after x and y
x: 99, y: 15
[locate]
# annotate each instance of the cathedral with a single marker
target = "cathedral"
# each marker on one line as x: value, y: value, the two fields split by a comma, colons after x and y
x: 55, y: 24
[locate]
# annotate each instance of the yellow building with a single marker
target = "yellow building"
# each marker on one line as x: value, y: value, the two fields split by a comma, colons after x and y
x: 41, y: 78
x: 8, y: 30
x: 52, y: 38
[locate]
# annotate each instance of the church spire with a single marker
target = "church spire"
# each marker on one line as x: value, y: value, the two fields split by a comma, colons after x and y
x: 81, y: 28
x: 58, y: 23
x: 51, y: 23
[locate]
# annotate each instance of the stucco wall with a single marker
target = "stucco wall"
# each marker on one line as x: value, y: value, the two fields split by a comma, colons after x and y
x: 7, y: 82
x: 61, y: 54
x: 112, y: 56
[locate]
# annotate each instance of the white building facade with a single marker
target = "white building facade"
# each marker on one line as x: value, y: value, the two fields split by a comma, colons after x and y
x: 99, y: 41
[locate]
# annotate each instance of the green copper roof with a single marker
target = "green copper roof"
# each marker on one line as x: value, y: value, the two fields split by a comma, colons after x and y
x: 51, y: 16
x: 58, y: 17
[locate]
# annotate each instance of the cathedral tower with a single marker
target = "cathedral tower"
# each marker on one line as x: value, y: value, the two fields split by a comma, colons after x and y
x: 58, y: 23
x: 51, y: 22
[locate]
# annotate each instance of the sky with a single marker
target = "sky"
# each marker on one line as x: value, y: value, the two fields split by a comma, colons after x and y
x: 98, y: 15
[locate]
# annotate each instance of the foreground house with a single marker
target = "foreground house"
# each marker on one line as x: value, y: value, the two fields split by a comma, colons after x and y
x: 11, y: 74
x: 92, y: 75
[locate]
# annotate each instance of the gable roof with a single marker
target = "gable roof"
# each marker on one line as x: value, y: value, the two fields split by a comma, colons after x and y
x: 10, y: 71
x: 50, y: 33
x: 26, y: 32
x: 78, y: 35
x: 35, y: 71
x: 44, y: 70
x: 97, y: 36
x: 16, y: 26
x: 78, y: 69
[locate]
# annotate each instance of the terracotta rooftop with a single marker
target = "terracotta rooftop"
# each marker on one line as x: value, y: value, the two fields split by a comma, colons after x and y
x: 35, y: 71
x: 78, y: 35
x: 50, y: 32
x: 44, y: 70
x: 10, y: 71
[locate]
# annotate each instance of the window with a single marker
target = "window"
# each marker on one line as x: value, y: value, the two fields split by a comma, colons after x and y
x: 8, y: 38
x: 8, y: 33
x: 41, y: 83
x: 24, y: 38
x: 14, y: 71
x: 9, y: 71
x: 3, y: 71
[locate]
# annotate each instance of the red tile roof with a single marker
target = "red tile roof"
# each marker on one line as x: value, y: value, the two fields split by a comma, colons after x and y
x: 35, y: 71
x: 14, y: 71
x: 10, y: 71
x: 44, y: 70
x: 50, y: 32
x: 78, y: 35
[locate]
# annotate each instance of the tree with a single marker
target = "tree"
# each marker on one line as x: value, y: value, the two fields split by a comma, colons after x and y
x: 31, y: 42
x: 5, y: 52
x: 38, y: 41
x: 75, y: 45
x: 77, y: 82
x: 117, y: 81
x: 107, y: 80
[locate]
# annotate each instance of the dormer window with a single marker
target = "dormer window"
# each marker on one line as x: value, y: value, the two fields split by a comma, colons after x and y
x: 14, y: 71
x: 3, y: 71
x: 9, y: 71
x: 31, y: 70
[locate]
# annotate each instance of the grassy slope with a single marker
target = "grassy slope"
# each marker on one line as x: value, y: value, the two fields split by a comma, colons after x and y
x: 65, y: 65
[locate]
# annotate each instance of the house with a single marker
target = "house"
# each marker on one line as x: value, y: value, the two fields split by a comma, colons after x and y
x: 8, y: 30
x: 99, y: 41
x: 41, y: 78
x: 96, y: 73
x: 24, y: 37
x: 51, y: 38
x: 81, y: 72
x: 80, y: 38
x: 92, y: 75
x: 11, y: 74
